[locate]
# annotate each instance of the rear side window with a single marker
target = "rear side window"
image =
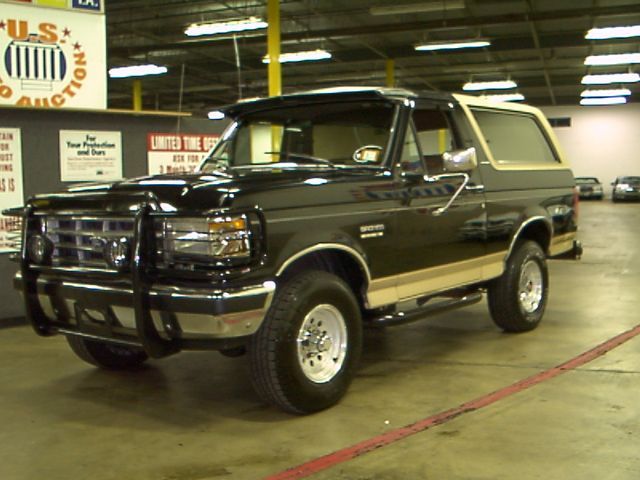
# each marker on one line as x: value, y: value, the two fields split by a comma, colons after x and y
x: 514, y: 138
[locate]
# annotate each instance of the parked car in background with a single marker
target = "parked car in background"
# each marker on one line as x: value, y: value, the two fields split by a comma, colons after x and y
x: 626, y: 188
x: 589, y: 187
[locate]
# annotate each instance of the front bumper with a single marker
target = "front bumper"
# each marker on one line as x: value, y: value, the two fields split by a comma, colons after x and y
x: 626, y: 194
x: 136, y: 309
x: 185, y: 318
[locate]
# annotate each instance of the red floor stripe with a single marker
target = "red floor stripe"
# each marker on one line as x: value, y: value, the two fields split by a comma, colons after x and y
x: 322, y: 463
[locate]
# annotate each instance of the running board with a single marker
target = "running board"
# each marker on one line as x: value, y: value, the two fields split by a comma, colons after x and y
x: 400, y: 318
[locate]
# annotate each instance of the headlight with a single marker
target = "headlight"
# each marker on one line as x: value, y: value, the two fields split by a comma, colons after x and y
x: 622, y: 186
x: 215, y: 237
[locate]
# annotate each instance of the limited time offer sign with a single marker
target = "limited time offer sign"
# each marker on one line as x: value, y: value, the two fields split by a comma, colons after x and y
x: 177, y: 152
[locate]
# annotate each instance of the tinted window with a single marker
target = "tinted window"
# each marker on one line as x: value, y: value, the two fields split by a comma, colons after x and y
x: 514, y: 138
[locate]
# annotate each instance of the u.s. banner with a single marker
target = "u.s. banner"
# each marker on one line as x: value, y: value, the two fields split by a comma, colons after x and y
x: 52, y: 58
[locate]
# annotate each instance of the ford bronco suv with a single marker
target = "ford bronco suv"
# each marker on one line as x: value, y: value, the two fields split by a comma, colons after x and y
x: 315, y: 215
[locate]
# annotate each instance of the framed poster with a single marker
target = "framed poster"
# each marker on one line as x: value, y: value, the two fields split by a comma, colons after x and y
x: 11, y: 189
x: 87, y: 156
x: 176, y: 152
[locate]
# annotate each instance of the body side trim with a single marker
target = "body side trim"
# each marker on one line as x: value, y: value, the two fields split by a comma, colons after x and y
x: 328, y: 246
x: 405, y: 286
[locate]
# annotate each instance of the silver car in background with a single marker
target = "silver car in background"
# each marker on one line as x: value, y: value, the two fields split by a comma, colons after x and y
x: 589, y: 188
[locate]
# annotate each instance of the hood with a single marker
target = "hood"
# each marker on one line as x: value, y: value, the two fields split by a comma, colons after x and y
x: 197, y: 191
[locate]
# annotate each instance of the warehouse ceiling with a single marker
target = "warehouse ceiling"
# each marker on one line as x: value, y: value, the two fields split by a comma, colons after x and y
x: 539, y: 44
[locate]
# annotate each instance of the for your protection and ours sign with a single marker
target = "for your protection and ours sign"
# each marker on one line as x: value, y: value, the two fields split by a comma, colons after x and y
x: 52, y: 57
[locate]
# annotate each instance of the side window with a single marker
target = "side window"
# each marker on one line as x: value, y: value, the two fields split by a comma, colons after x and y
x: 514, y: 138
x: 410, y: 160
x: 434, y: 136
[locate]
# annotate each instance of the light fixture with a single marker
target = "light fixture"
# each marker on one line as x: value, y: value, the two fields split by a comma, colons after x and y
x: 612, y: 92
x: 307, y: 56
x: 453, y: 45
x: 215, y: 115
x: 617, y: 59
x: 497, y: 85
x: 603, y: 101
x: 607, y: 78
x: 251, y: 23
x: 422, y: 7
x: 613, y: 32
x: 507, y: 97
x: 136, y: 71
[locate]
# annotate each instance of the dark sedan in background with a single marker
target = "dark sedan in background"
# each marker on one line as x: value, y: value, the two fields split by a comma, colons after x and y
x: 626, y: 188
x: 589, y: 187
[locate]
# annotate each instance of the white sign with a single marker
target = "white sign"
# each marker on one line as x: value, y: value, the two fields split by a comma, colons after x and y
x: 90, y: 156
x: 10, y: 184
x: 52, y: 60
x: 177, y: 152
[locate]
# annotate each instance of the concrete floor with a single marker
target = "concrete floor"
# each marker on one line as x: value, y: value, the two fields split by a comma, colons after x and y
x: 195, y: 417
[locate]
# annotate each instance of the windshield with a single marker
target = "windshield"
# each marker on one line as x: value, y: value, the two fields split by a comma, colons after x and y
x: 630, y: 180
x: 333, y: 134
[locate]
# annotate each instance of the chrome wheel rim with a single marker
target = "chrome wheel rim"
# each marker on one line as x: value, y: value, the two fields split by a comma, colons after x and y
x: 322, y: 343
x: 531, y: 287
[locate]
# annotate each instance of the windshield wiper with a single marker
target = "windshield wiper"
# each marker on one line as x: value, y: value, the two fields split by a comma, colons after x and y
x: 302, y: 156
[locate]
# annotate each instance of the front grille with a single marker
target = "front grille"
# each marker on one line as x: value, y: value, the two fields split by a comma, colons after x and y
x: 80, y: 241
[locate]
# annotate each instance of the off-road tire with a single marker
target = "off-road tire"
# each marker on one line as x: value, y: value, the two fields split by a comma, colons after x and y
x: 508, y: 310
x: 275, y: 358
x: 105, y: 355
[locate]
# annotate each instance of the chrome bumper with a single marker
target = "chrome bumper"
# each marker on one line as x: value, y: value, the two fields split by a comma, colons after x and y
x: 177, y: 314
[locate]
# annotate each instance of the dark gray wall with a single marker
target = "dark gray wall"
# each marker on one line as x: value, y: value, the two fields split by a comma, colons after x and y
x: 41, y: 162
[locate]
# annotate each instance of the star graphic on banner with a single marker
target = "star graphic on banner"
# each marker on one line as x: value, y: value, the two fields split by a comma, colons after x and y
x: 66, y: 32
x: 77, y: 46
x: 2, y: 24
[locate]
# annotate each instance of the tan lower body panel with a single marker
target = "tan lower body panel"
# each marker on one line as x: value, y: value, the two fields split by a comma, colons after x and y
x: 396, y: 288
x: 561, y: 243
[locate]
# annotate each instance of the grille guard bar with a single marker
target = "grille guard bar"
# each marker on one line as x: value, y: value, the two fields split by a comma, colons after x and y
x: 153, y: 344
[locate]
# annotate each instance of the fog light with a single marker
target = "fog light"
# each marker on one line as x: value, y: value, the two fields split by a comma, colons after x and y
x: 117, y: 253
x: 40, y: 249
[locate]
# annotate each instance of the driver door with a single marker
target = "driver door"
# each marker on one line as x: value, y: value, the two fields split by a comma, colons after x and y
x: 438, y: 246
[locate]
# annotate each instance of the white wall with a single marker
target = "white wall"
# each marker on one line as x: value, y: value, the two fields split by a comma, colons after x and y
x: 602, y: 142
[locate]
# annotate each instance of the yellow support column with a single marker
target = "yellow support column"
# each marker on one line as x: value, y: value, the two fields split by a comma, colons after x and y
x: 391, y: 72
x: 275, y: 72
x: 273, y: 47
x: 137, y: 95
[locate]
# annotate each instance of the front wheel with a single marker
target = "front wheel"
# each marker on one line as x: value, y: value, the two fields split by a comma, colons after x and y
x: 106, y: 355
x: 518, y: 298
x: 305, y: 354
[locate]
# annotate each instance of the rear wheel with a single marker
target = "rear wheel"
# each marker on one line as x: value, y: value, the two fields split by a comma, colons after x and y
x: 304, y: 355
x: 518, y: 298
x: 106, y: 355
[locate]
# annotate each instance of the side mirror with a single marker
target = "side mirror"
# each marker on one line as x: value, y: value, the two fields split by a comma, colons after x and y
x: 367, y: 154
x: 460, y: 160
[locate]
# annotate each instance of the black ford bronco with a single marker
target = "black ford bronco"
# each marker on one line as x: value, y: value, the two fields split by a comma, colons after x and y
x: 315, y: 215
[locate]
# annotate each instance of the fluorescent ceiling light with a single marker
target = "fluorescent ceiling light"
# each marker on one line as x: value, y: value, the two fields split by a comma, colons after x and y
x: 251, y: 23
x: 612, y: 92
x: 613, y: 32
x: 308, y: 56
x: 434, y: 6
x: 617, y: 59
x: 215, y: 115
x: 603, y: 101
x: 136, y: 71
x: 610, y: 78
x: 499, y: 85
x: 507, y: 97
x: 453, y: 45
